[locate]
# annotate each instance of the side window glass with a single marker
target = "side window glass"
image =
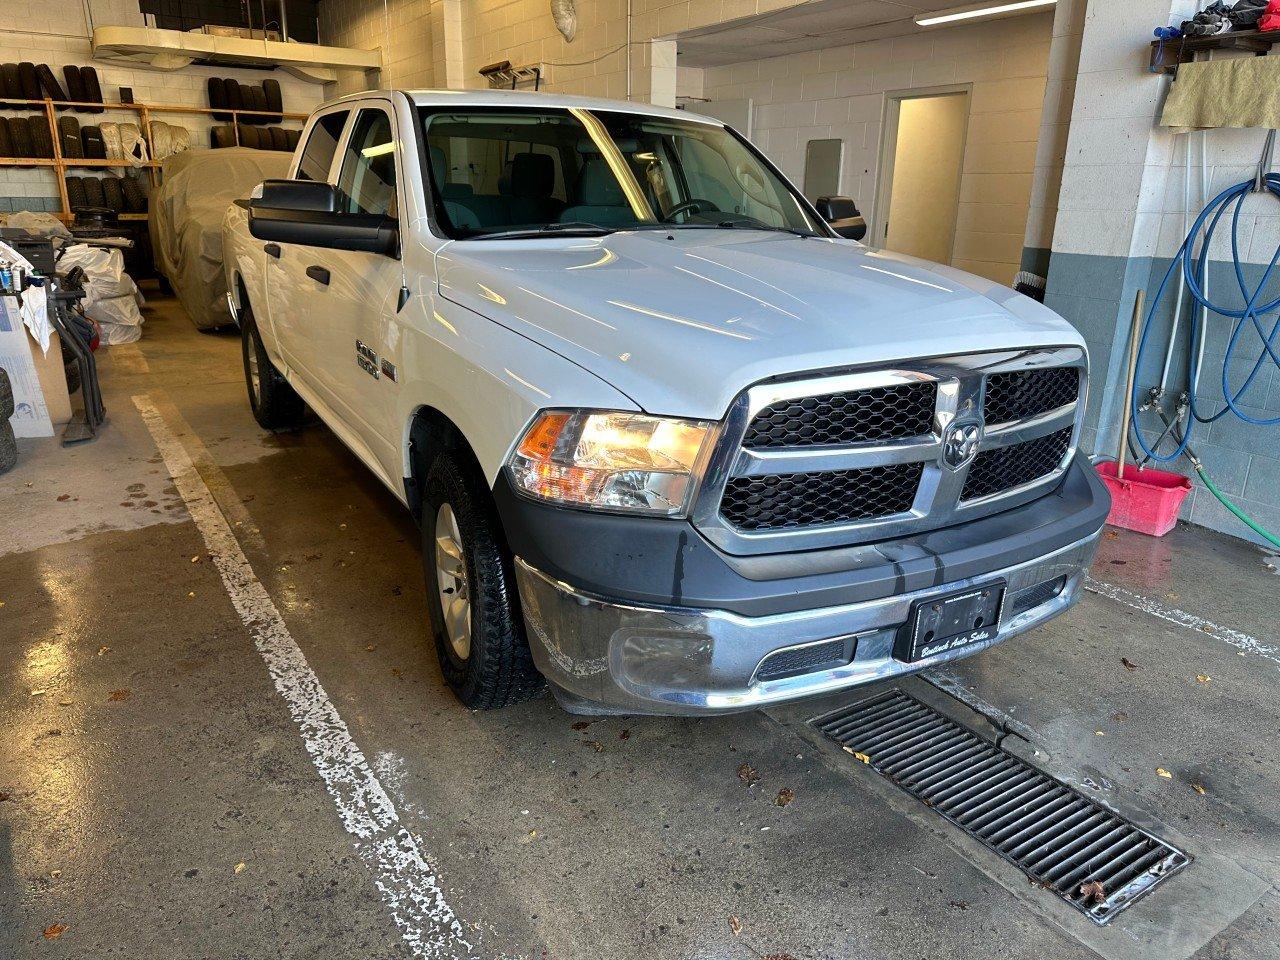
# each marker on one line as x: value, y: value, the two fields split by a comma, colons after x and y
x: 321, y: 144
x: 368, y: 177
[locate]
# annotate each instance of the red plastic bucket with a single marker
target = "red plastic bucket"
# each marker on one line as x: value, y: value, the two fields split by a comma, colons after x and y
x: 1147, y: 501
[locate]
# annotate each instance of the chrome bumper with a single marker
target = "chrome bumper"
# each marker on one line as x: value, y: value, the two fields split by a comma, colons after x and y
x: 607, y: 657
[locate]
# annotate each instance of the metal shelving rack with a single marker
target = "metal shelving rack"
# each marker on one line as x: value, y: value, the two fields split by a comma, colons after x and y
x: 61, y: 164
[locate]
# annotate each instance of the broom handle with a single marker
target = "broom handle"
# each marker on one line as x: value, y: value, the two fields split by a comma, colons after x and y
x: 1123, y: 453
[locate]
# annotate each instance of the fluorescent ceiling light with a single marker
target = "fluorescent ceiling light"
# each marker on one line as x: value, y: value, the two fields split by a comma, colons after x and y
x: 957, y: 14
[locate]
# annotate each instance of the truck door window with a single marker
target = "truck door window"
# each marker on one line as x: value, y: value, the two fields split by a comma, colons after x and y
x: 368, y: 176
x: 317, y: 156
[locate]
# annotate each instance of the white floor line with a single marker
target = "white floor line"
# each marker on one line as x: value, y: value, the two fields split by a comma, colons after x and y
x: 1241, y: 641
x: 407, y: 881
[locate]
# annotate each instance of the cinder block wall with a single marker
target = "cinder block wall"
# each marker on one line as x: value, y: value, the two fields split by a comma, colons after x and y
x: 1120, y: 221
x: 840, y: 92
x: 57, y: 32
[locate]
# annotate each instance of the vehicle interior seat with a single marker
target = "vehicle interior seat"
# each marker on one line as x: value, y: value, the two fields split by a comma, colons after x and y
x: 599, y: 196
x: 533, y: 180
x: 452, y: 194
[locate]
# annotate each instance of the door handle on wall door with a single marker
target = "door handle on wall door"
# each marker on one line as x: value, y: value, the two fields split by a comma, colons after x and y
x: 272, y: 250
x: 319, y: 275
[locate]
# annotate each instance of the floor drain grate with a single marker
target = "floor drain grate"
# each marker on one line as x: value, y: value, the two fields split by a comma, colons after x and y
x: 1098, y: 862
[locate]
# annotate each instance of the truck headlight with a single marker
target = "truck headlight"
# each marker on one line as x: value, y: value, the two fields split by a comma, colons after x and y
x: 626, y: 462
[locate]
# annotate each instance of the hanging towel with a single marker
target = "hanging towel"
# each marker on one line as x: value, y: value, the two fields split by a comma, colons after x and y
x: 1240, y: 92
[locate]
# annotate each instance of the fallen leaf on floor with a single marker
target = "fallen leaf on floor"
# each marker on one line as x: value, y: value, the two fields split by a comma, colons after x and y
x: 1201, y: 678
x: 240, y: 867
x: 55, y: 874
x: 64, y: 498
x: 342, y: 526
x: 735, y: 926
x: 582, y: 724
x: 1, y: 603
x: 785, y: 796
x: 5, y: 796
x: 1199, y: 788
x: 371, y: 647
x: 1172, y: 597
x: 747, y: 773
x: 38, y: 693
x: 1093, y: 892
x: 625, y: 735
x: 196, y: 558
x: 1162, y: 772
x: 395, y: 671
x: 856, y: 755
x: 1119, y: 716
x: 595, y: 745
x: 103, y: 649
x: 55, y: 931
x: 1099, y: 733
x: 959, y: 904
x: 120, y: 695
x: 397, y: 591
x: 66, y: 703
x: 1112, y: 535
x: 1128, y: 664
x: 191, y: 594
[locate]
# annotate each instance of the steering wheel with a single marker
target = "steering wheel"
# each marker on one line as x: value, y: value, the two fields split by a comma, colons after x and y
x: 689, y: 206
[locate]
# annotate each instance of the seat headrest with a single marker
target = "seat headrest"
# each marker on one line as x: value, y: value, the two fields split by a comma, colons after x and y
x: 587, y: 146
x: 598, y: 187
x: 532, y: 175
x: 439, y: 166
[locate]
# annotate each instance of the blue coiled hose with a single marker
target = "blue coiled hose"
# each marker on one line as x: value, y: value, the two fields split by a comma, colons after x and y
x: 1194, y: 270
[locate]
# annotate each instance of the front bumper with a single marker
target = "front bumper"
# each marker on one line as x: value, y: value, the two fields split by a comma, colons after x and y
x: 602, y: 655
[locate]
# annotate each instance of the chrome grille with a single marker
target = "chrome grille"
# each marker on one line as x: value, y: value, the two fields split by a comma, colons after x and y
x: 1020, y: 394
x: 805, y: 499
x: 995, y: 471
x: 859, y: 416
x: 855, y: 457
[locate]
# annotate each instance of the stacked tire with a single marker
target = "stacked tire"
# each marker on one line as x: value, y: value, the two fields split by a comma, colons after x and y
x: 8, y: 443
x: 264, y: 100
x: 255, y: 138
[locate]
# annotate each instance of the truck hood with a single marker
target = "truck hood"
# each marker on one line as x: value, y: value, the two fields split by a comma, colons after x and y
x: 683, y: 321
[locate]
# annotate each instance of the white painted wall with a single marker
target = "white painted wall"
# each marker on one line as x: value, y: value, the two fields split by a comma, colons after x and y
x: 839, y: 92
x: 57, y: 32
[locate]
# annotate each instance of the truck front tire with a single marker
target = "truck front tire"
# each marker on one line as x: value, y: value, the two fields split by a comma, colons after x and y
x: 472, y: 597
x: 275, y: 404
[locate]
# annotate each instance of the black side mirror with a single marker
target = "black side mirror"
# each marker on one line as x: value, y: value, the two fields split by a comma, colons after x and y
x: 843, y: 216
x: 311, y: 214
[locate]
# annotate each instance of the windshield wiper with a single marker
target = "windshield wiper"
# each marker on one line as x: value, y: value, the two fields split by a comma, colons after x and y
x: 751, y: 223
x: 574, y: 229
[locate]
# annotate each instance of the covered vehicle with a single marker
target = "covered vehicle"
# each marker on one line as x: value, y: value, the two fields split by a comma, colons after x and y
x: 186, y: 222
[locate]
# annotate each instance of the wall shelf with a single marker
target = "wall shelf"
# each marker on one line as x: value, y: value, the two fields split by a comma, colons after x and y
x: 1168, y: 55
x: 60, y: 164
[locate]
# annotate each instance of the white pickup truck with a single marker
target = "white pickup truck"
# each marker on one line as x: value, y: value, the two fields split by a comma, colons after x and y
x: 674, y: 443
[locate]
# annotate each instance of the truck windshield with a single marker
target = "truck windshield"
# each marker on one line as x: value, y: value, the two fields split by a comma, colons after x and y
x: 504, y: 172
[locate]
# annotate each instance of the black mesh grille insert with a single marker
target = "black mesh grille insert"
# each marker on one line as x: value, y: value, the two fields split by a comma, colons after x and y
x: 1066, y: 843
x: 881, y: 413
x: 780, y: 501
x: 995, y: 471
x: 801, y: 660
x: 1029, y: 393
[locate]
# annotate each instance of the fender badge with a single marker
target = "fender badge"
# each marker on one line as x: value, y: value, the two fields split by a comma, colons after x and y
x: 389, y: 370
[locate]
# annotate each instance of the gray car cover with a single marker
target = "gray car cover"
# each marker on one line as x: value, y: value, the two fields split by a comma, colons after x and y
x: 186, y: 221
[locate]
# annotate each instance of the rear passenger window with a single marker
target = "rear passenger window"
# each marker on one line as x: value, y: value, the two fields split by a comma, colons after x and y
x: 368, y: 177
x: 321, y: 145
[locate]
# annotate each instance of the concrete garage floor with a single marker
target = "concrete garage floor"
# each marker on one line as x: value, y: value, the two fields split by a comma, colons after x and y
x: 159, y: 797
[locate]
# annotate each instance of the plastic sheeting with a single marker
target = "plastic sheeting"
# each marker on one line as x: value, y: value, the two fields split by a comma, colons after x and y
x: 111, y: 296
x: 186, y: 221
x: 33, y: 308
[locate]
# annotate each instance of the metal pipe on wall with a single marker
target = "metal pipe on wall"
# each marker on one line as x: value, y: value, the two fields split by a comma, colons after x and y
x: 628, y: 49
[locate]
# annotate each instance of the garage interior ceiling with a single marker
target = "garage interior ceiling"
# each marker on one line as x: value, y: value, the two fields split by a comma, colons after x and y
x: 807, y: 26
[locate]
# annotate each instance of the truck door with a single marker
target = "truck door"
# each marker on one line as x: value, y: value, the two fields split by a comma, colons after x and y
x: 362, y: 296
x: 290, y: 293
